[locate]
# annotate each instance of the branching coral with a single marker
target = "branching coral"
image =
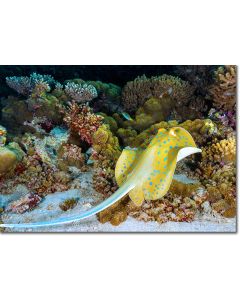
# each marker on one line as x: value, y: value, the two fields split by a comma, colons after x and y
x: 82, y: 121
x: 223, y: 91
x: 80, y: 93
x: 136, y: 92
x: 35, y: 83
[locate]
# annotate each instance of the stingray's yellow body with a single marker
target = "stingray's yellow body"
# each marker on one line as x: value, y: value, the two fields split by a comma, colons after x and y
x: 151, y: 171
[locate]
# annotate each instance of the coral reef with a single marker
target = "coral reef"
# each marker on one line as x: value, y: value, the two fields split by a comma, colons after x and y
x: 17, y: 112
x: 53, y: 132
x: 106, y: 151
x: 135, y: 93
x: 80, y: 93
x: 217, y: 171
x: 179, y: 205
x: 200, y: 129
x: 223, y: 91
x: 35, y: 83
x: 70, y: 156
x: 82, y: 121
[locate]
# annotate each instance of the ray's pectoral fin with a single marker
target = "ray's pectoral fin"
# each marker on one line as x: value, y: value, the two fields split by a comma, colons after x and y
x: 186, y: 151
x: 137, y: 195
x: 126, y: 164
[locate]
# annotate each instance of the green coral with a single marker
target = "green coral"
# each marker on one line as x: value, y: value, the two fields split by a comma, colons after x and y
x: 110, y: 121
x: 153, y: 111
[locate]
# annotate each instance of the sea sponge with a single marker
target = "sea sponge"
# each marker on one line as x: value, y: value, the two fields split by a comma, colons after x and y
x: 135, y: 93
x: 223, y: 91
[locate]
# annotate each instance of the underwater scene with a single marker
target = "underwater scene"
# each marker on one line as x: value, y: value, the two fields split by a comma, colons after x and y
x: 118, y: 148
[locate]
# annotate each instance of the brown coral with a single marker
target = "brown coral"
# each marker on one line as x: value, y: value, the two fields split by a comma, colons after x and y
x: 223, y: 91
x: 223, y: 151
x: 136, y: 92
x: 68, y: 204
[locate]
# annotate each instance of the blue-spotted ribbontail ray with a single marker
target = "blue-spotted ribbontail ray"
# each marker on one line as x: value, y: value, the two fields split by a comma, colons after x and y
x: 143, y: 174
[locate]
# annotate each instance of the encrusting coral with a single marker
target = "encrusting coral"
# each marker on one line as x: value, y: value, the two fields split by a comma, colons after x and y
x: 223, y: 91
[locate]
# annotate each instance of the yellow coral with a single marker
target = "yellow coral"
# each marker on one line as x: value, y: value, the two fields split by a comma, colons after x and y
x: 106, y: 144
x: 222, y: 151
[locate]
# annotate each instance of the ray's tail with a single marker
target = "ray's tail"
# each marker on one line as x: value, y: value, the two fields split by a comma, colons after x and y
x: 121, y: 192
